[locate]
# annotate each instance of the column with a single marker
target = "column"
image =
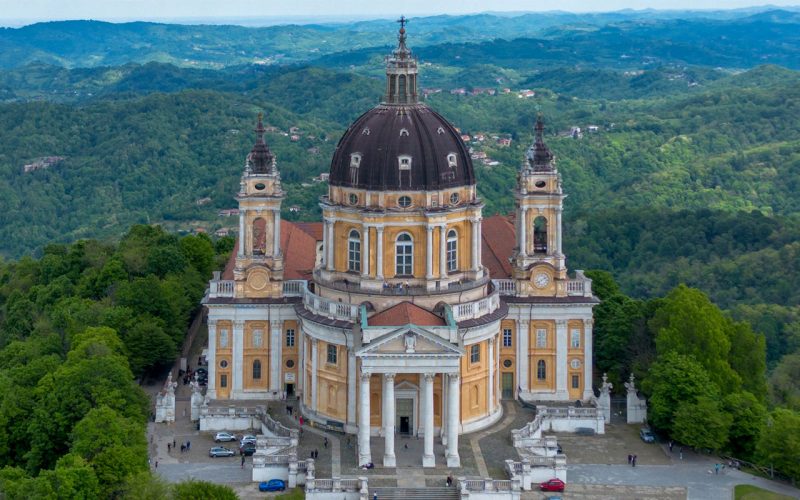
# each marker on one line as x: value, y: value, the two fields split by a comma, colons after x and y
x: 453, y: 414
x: 588, y: 392
x: 329, y: 245
x: 211, y: 358
x: 475, y: 244
x: 389, y: 459
x: 480, y: 247
x: 238, y: 358
x: 443, y: 251
x: 523, y: 355
x: 491, y: 376
x: 242, y: 237
x: 364, y: 453
x: 276, y: 234
x: 301, y: 363
x: 351, y: 387
x: 429, y: 253
x: 275, y: 356
x: 561, y: 358
x: 379, y: 255
x: 314, y: 385
x: 558, y: 231
x: 428, y: 459
x: 365, y: 254
x: 523, y: 229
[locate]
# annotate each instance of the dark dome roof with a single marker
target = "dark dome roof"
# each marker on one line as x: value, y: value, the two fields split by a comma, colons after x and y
x: 385, y: 133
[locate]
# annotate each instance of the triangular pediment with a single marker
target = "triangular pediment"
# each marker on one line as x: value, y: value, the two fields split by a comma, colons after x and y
x: 410, y: 340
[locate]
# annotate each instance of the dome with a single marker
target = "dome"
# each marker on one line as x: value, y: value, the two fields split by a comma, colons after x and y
x: 401, y: 147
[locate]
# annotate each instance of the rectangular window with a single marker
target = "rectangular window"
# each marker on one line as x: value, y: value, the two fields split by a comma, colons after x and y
x: 506, y: 337
x: 575, y: 340
x: 290, y: 337
x: 332, y: 354
x: 223, y: 337
x: 541, y: 337
x: 223, y: 381
x: 258, y: 337
x: 475, y: 353
x: 576, y: 381
x: 452, y: 254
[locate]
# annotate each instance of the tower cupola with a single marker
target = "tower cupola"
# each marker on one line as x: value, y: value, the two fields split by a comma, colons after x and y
x: 401, y: 71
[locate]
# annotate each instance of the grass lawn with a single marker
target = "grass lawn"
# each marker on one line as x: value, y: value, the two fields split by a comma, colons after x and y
x: 749, y: 492
x: 296, y: 494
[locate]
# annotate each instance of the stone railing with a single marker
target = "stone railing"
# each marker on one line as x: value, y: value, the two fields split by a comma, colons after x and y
x: 221, y: 288
x: 276, y: 427
x: 330, y: 308
x: 353, y: 488
x: 569, y: 419
x: 505, y: 287
x: 580, y: 286
x: 294, y: 288
x: 494, y: 488
x: 531, y: 471
x: 478, y: 308
x: 571, y: 411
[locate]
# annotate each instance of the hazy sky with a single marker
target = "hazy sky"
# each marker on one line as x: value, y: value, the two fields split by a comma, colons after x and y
x: 166, y: 9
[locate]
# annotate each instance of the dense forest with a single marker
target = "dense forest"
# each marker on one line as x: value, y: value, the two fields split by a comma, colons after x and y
x: 682, y: 186
x: 78, y: 327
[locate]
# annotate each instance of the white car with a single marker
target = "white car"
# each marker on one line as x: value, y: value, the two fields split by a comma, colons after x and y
x: 224, y: 436
x: 248, y: 439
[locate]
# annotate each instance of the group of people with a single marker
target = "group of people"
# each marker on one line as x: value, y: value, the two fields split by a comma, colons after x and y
x: 315, y: 454
x: 398, y: 287
x: 184, y: 447
x: 680, y: 450
x: 632, y: 460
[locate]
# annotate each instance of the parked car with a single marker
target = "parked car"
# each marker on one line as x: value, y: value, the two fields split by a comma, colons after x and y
x: 247, y: 449
x: 220, y: 451
x: 224, y: 436
x: 248, y: 437
x: 272, y: 485
x: 647, y: 435
x: 554, y: 484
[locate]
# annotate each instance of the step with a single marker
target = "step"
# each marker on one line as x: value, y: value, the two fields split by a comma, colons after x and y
x: 414, y: 493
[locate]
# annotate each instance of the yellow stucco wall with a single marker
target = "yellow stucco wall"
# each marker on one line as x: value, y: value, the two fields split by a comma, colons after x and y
x: 223, y: 356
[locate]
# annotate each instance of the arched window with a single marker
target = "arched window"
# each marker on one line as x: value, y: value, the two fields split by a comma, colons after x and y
x: 404, y: 252
x: 259, y: 236
x: 354, y: 251
x: 540, y: 235
x: 401, y: 88
x: 541, y: 370
x: 256, y: 370
x: 452, y: 250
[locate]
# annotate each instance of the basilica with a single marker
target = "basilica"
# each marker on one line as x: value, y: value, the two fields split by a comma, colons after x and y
x: 404, y: 311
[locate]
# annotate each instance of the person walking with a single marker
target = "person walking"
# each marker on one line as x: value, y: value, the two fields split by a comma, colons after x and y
x: 325, y: 443
x: 630, y: 458
x: 716, y: 469
x: 188, y: 445
x: 242, y: 461
x: 169, y: 447
x: 680, y: 451
x: 670, y: 446
x: 633, y: 461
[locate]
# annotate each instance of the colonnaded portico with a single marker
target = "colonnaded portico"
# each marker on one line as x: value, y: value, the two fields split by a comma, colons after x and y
x: 416, y: 354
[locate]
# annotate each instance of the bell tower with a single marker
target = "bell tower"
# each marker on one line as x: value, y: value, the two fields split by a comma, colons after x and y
x: 259, y: 261
x: 537, y: 257
x: 401, y: 71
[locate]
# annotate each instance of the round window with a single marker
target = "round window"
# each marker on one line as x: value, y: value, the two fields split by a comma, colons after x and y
x: 353, y: 199
x: 454, y: 199
x: 260, y: 186
x: 507, y: 363
x: 575, y: 363
x: 404, y: 201
x: 289, y: 363
x: 540, y: 184
x: 223, y: 364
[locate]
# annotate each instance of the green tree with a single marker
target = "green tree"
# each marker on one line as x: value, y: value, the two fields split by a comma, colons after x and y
x: 748, y: 417
x: 688, y: 323
x: 779, y: 445
x: 148, y: 345
x: 701, y: 423
x: 146, y: 486
x: 784, y: 383
x: 190, y: 490
x: 674, y: 379
x: 748, y: 358
x: 199, y: 251
x: 73, y: 478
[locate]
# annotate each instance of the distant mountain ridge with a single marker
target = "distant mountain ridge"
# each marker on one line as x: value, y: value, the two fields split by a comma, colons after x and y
x: 96, y: 43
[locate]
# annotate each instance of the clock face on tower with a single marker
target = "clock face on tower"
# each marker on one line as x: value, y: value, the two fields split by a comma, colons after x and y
x: 541, y: 280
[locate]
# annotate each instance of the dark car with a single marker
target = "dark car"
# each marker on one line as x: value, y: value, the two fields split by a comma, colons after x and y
x: 247, y: 449
x: 554, y: 484
x: 272, y: 485
x: 220, y: 451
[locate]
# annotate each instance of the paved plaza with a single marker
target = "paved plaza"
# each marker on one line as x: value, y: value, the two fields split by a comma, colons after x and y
x: 597, y: 465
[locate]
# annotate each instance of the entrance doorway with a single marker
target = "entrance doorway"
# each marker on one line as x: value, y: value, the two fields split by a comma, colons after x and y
x: 289, y: 390
x: 405, y: 415
x: 508, y: 385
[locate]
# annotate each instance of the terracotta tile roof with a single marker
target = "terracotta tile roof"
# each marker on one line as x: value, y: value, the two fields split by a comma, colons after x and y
x: 299, y: 253
x: 314, y: 229
x: 403, y: 314
x: 498, y: 239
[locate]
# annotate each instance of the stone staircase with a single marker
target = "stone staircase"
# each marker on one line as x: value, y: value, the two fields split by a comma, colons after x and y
x: 414, y: 493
